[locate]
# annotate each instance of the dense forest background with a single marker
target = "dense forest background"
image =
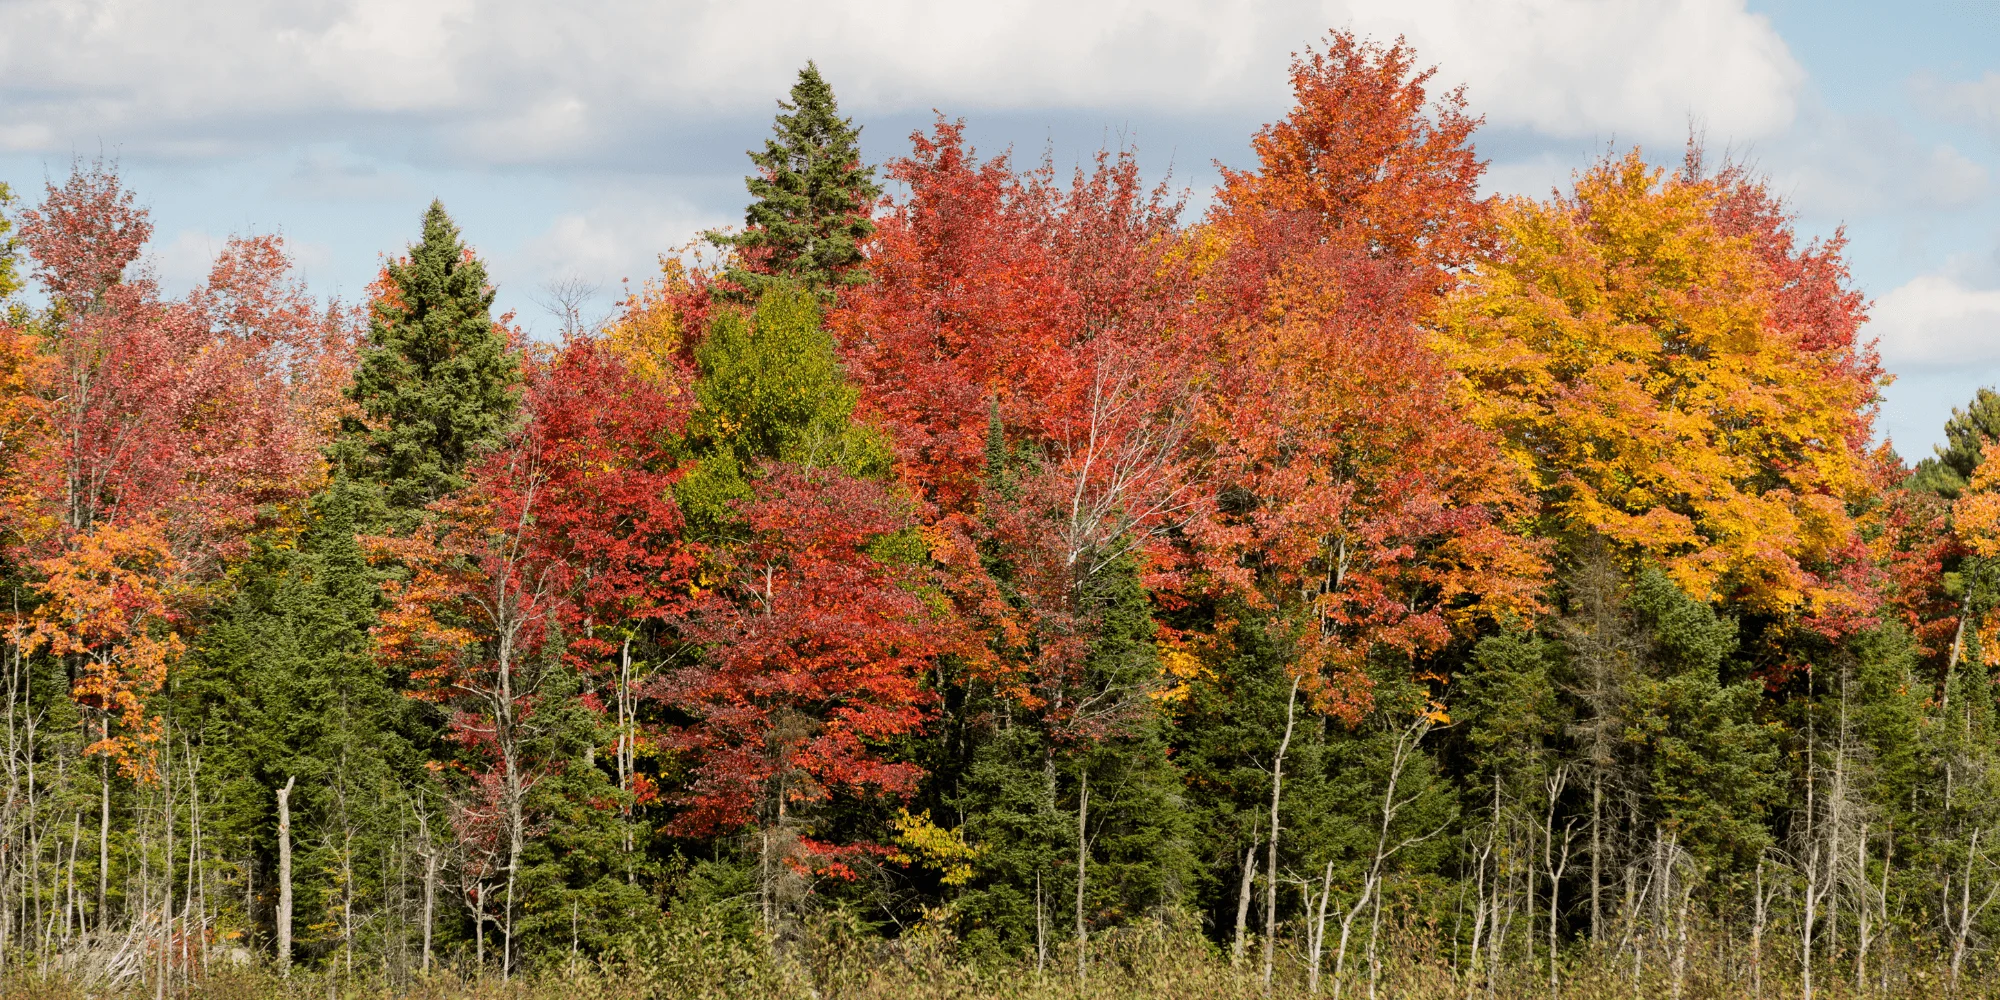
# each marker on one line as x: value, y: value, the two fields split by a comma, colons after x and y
x: 1363, y: 584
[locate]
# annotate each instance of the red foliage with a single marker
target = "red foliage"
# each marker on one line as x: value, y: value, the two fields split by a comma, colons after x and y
x: 818, y: 645
x: 1342, y: 471
x: 571, y: 524
x: 180, y: 422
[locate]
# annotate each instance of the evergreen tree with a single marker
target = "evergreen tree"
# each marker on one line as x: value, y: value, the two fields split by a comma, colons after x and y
x: 1711, y: 768
x: 1966, y: 436
x: 288, y: 689
x: 437, y: 381
x: 812, y: 197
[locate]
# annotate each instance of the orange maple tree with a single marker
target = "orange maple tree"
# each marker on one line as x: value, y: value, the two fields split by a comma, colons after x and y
x: 1349, y: 494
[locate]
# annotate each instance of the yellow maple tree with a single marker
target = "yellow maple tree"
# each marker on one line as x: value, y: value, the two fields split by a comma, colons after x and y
x: 1643, y: 352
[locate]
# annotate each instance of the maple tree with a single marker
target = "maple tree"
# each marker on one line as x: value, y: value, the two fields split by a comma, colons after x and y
x: 814, y: 639
x: 1017, y: 346
x: 1343, y: 472
x: 1668, y: 383
x: 570, y: 523
x: 817, y: 656
x: 169, y: 430
x: 1017, y: 542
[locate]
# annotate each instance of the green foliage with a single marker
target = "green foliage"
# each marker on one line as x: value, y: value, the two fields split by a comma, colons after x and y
x: 771, y: 388
x: 1507, y: 701
x: 10, y: 258
x: 437, y: 382
x: 812, y: 197
x: 1966, y: 435
x: 287, y: 689
x: 1712, y: 767
x: 1021, y: 789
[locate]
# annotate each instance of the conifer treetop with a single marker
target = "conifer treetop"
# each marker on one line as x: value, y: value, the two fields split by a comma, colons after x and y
x: 811, y: 196
x: 437, y: 381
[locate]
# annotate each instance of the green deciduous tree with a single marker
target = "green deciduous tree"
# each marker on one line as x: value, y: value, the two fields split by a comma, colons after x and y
x: 771, y: 388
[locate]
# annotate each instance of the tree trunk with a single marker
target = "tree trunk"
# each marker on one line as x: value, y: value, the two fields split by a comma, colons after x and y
x: 1041, y: 930
x: 104, y: 836
x: 430, y: 882
x: 1271, y: 867
x: 284, y: 918
x: 1243, y: 903
x: 1317, y: 942
x: 1596, y: 854
x: 1082, y: 857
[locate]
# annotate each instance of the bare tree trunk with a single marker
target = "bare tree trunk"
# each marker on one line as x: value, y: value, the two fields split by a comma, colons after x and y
x: 1556, y: 870
x: 1271, y: 868
x: 1082, y: 858
x: 1243, y: 903
x: 1596, y: 855
x: 430, y: 853
x: 1041, y: 929
x: 1316, y: 937
x: 1967, y: 913
x: 1757, y: 934
x: 284, y: 918
x: 104, y: 834
x: 1864, y: 912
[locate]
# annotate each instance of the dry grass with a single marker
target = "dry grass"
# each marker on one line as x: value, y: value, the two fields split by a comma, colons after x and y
x: 698, y: 962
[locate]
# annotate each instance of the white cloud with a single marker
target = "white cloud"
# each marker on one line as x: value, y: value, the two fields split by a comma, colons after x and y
x: 597, y: 248
x: 1629, y: 70
x: 1937, y: 323
x: 1846, y: 167
x: 1973, y: 101
x: 515, y: 79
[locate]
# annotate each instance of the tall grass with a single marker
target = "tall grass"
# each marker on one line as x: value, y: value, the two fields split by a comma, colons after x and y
x: 712, y: 959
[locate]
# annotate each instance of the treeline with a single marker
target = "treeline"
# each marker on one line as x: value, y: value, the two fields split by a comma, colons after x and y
x: 1364, y: 576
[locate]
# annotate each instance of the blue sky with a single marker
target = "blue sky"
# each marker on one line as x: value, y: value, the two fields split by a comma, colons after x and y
x: 580, y: 141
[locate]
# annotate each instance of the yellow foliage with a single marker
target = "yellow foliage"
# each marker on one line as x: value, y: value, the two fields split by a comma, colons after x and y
x: 1976, y: 515
x: 1627, y: 351
x: 1184, y: 668
x: 649, y: 332
x: 922, y: 842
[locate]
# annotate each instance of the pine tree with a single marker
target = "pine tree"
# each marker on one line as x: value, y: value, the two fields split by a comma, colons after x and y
x: 437, y: 380
x: 1966, y: 435
x: 813, y: 196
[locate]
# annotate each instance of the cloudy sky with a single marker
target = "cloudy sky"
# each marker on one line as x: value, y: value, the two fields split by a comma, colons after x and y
x: 576, y: 142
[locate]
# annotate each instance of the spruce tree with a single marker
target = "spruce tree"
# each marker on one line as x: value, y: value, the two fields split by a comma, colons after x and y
x: 812, y: 197
x: 1966, y: 435
x: 436, y: 383
x: 287, y: 689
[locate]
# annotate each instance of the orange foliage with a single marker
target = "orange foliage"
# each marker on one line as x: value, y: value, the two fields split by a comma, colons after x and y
x: 1349, y: 492
x: 109, y: 602
x: 1669, y: 371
